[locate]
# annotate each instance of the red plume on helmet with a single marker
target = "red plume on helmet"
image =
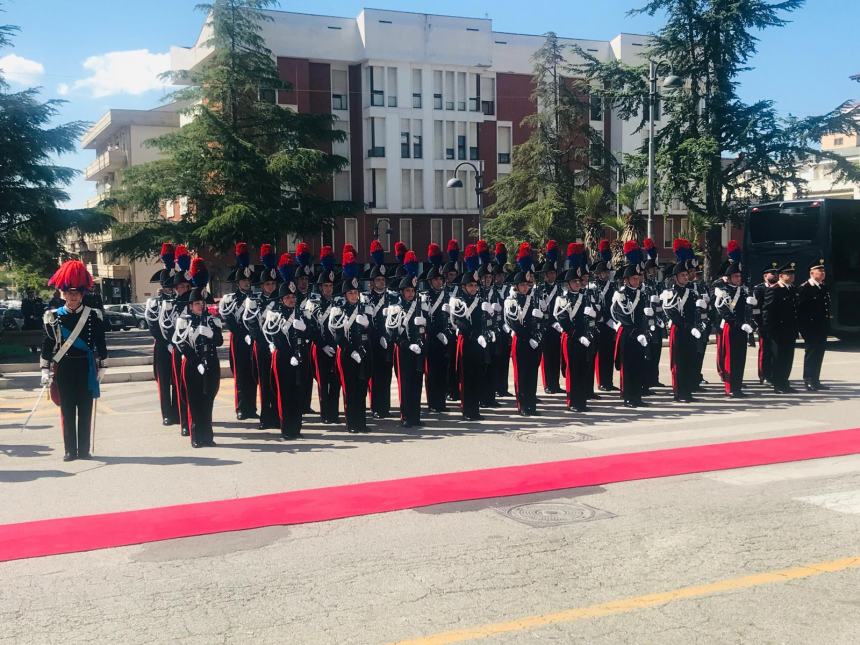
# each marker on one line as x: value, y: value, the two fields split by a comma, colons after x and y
x: 183, y: 258
x: 167, y: 255
x: 72, y: 274
x: 327, y: 257
x: 199, y: 273
x: 303, y: 254
x: 733, y: 250
x: 524, y: 256
x: 286, y: 267
x: 575, y: 248
x: 376, y: 245
x: 551, y: 252
x: 501, y: 253
x: 647, y: 243
x: 629, y: 246
x: 453, y: 250
x: 243, y: 259
x: 348, y: 247
x: 679, y: 243
x: 400, y: 251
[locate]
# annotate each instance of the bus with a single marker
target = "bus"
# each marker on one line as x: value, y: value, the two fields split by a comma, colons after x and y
x: 804, y: 231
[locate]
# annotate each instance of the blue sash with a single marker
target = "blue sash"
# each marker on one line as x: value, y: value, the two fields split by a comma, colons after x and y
x: 92, y: 380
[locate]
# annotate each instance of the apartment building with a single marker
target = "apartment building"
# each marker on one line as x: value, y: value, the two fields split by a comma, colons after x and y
x: 820, y: 180
x: 421, y: 97
x: 119, y: 140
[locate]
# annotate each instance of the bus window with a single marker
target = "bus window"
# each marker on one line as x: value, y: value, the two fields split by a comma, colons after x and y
x: 791, y: 224
x: 844, y: 231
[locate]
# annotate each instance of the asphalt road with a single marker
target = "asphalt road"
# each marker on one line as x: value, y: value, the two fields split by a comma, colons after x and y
x: 722, y: 549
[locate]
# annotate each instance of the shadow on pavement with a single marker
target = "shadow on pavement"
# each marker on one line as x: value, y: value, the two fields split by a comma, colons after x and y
x: 25, y: 450
x: 20, y: 476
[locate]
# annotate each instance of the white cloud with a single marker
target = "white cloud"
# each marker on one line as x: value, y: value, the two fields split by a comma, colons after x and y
x: 133, y: 72
x: 63, y: 89
x: 18, y: 69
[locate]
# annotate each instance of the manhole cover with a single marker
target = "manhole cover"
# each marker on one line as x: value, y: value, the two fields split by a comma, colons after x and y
x: 543, y: 514
x: 551, y: 436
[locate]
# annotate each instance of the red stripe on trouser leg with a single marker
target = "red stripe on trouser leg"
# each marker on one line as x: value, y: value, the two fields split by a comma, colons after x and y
x: 458, y: 361
x: 315, y: 358
x: 720, y: 349
x: 673, y: 359
x: 342, y: 377
x: 234, y: 369
x: 542, y: 368
x: 277, y: 386
x: 727, y: 353
x: 399, y: 388
x: 566, y: 354
x: 615, y: 358
x: 760, y: 358
x: 188, y: 403
x: 516, y: 371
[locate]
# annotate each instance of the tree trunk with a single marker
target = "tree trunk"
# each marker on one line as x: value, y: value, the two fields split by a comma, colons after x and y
x: 635, y: 226
x: 713, y: 252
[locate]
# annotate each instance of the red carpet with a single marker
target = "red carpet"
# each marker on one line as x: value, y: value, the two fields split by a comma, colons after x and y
x: 85, y: 533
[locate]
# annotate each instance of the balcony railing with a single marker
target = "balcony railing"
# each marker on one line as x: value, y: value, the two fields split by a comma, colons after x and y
x: 377, y: 98
x: 474, y: 105
x: 376, y: 151
x: 488, y: 107
x: 108, y: 161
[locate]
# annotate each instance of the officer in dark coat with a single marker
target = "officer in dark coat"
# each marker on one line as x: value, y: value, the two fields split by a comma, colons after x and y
x: 734, y: 303
x: 575, y: 315
x: 452, y: 287
x: 628, y: 311
x: 813, y: 314
x: 524, y: 317
x: 685, y: 330
x: 435, y: 304
x: 502, y: 356
x: 765, y: 358
x: 779, y: 318
x: 324, y: 349
x: 180, y: 282
x: 76, y: 366
x: 546, y: 293
x: 381, y: 360
x: 604, y: 290
x: 468, y: 313
x: 160, y: 319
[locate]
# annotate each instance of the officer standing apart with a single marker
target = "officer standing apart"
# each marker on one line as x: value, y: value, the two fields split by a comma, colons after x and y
x: 73, y: 355
x: 779, y: 317
x: 813, y: 314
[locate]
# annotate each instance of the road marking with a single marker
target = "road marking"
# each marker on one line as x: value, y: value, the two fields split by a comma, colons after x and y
x: 844, y: 502
x: 636, y: 603
x: 788, y: 472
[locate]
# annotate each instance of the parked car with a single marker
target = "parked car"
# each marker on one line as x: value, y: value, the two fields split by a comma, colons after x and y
x: 13, y: 319
x: 118, y: 320
x: 135, y: 310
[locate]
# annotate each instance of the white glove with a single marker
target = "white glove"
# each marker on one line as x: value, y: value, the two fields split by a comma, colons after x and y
x: 649, y: 312
x: 247, y: 339
x: 751, y: 300
x: 696, y: 333
x: 46, y: 377
x: 272, y: 348
x: 205, y: 330
x: 362, y: 320
x: 442, y: 338
x: 497, y: 307
x: 589, y: 311
x: 706, y: 298
x: 328, y: 350
x: 642, y: 340
x: 446, y: 308
x: 747, y: 328
x: 614, y: 324
x: 533, y: 343
x: 356, y: 357
x: 299, y: 324
x: 700, y: 303
x: 584, y: 341
x: 200, y: 368
x: 482, y: 342
x: 486, y: 306
x: 537, y: 313
x: 294, y: 361
x: 168, y: 305
x: 383, y: 342
x: 557, y: 327
x: 655, y: 298
x: 100, y: 373
x: 506, y: 328
x: 415, y: 349
x: 420, y: 321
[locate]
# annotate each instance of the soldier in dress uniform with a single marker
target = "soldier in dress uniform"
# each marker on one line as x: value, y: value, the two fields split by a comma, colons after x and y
x: 813, y: 314
x: 524, y: 317
x: 254, y: 311
x: 230, y: 308
x: 287, y: 333
x: 502, y: 355
x: 705, y: 303
x: 468, y: 313
x: 653, y: 286
x: 685, y: 330
x: 546, y: 293
x: 574, y: 313
x: 381, y: 358
x: 604, y: 290
x: 452, y: 288
x: 72, y: 358
x: 350, y: 326
x: 324, y: 349
x: 765, y: 359
x: 493, y: 301
x: 197, y: 337
x: 170, y: 312
x: 779, y: 318
x: 434, y: 301
x: 628, y: 310
x: 158, y: 313
x: 734, y: 303
x: 405, y: 325
x: 304, y: 290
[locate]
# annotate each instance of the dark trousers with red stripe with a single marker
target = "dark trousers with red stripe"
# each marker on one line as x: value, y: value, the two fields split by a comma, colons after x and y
x: 577, y: 371
x: 501, y: 362
x: 76, y: 403
x: 162, y: 366
x: 436, y: 373
x: 269, y: 417
x: 682, y: 361
x: 354, y: 385
x: 734, y: 352
x: 605, y: 356
x: 380, y: 379
x: 471, y: 373
x: 655, y: 351
x: 290, y: 393
x: 453, y: 378
x: 488, y: 379
x: 181, y: 392
x: 244, y: 377
x: 410, y: 372
x: 550, y: 364
x: 526, y: 362
x: 201, y: 389
x: 631, y: 361
x: 328, y: 384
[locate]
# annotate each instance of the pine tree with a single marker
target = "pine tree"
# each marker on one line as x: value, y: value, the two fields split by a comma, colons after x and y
x: 563, y: 154
x: 716, y: 153
x: 243, y: 163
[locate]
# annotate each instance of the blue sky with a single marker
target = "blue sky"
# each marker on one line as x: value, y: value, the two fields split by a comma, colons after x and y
x: 102, y: 54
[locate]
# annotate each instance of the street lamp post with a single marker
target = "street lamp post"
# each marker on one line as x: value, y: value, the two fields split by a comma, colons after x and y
x: 671, y: 82
x: 456, y: 182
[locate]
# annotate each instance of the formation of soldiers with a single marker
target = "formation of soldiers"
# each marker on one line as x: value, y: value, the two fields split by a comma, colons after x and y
x: 452, y: 327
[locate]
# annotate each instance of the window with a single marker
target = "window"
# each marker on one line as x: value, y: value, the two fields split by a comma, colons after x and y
x: 377, y: 147
x: 438, y: 189
x: 461, y: 147
x: 383, y: 226
x: 341, y: 186
x: 503, y: 143
x: 266, y: 95
x: 437, y: 101
x: 488, y: 108
x: 596, y: 102
x: 457, y: 229
x: 418, y: 189
x: 377, y: 98
x: 406, y: 189
x: 406, y: 231
x: 378, y: 188
x: 392, y: 101
x: 461, y: 106
x: 404, y: 142
x: 474, y: 105
x: 449, y: 153
x: 436, y: 231
x: 391, y: 87
x: 449, y: 105
x: 597, y: 154
x: 417, y: 148
x: 417, y: 87
x: 350, y: 231
x: 338, y: 102
x: 504, y: 157
x: 838, y: 141
x: 668, y: 232
x: 416, y: 99
x: 473, y: 153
